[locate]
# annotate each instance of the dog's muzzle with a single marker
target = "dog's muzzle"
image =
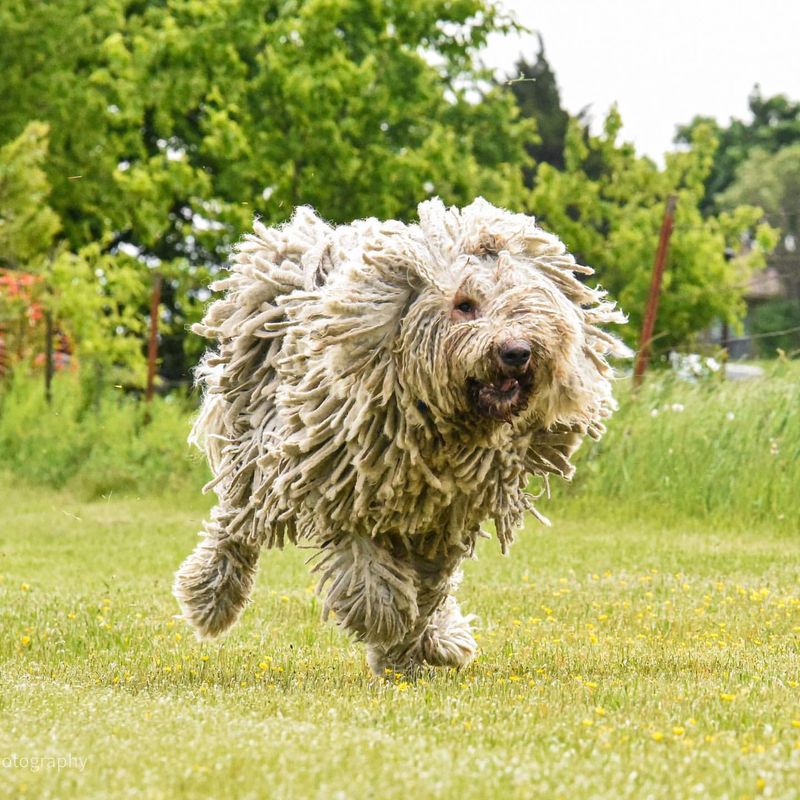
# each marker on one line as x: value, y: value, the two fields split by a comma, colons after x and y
x: 506, y: 394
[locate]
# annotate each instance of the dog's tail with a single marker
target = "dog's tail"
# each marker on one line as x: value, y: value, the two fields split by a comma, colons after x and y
x: 214, y: 583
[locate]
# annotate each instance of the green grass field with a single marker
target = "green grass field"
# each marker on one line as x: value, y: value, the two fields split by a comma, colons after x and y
x: 617, y: 659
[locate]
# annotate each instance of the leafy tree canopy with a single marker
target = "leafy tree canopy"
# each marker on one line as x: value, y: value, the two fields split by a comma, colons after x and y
x: 173, y: 123
x: 775, y: 124
x: 772, y: 181
x: 27, y: 224
x: 538, y: 97
x: 611, y: 218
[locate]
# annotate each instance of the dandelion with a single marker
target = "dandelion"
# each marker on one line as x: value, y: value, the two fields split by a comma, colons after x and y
x: 796, y: 723
x: 587, y: 723
x: 678, y: 731
x: 25, y: 587
x: 26, y: 640
x: 656, y: 736
x: 726, y: 697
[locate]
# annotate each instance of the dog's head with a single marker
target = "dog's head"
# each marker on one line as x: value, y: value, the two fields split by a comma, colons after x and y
x: 499, y: 330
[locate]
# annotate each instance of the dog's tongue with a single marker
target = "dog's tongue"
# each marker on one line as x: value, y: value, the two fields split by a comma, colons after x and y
x: 507, y: 384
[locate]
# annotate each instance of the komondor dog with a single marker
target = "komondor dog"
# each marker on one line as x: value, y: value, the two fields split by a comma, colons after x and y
x: 378, y: 390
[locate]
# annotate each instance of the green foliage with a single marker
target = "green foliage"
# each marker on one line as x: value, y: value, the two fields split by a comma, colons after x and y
x: 49, y: 55
x: 96, y: 298
x: 172, y: 124
x: 775, y: 124
x: 184, y: 119
x: 774, y: 316
x: 97, y: 449
x: 27, y: 224
x: 770, y: 180
x: 716, y: 451
x: 608, y: 206
x: 537, y: 95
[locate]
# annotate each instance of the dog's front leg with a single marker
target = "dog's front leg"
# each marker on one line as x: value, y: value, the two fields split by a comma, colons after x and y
x: 214, y: 583
x: 370, y: 591
x: 441, y: 635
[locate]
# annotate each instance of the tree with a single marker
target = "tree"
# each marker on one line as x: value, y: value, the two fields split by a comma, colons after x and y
x: 775, y: 124
x: 184, y: 119
x: 28, y: 225
x: 92, y: 296
x: 538, y: 97
x: 611, y: 217
x: 771, y: 180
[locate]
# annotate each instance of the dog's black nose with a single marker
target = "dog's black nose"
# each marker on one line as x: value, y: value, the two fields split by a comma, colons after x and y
x: 515, y: 353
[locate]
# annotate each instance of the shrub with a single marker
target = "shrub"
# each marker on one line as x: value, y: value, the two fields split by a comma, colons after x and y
x: 113, y: 444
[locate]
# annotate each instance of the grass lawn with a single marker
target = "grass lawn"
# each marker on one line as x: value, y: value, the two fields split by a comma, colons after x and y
x: 617, y: 659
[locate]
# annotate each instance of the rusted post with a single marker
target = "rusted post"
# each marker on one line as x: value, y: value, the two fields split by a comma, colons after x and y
x: 152, y: 348
x: 651, y: 311
x: 3, y: 352
x: 48, y: 356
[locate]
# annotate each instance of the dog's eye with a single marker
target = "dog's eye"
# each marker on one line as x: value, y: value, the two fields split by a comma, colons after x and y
x: 464, y: 308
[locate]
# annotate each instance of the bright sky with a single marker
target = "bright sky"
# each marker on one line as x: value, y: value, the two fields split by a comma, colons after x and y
x: 662, y: 62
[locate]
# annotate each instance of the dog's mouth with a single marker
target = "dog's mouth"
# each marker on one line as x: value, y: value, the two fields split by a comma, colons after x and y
x: 503, y: 398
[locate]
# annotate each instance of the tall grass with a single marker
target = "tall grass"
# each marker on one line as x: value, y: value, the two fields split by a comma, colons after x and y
x: 718, y: 451
x: 113, y: 445
x: 709, y: 450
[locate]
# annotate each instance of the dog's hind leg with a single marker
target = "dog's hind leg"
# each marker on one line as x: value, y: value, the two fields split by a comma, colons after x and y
x: 370, y: 592
x: 214, y: 583
x: 447, y: 640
